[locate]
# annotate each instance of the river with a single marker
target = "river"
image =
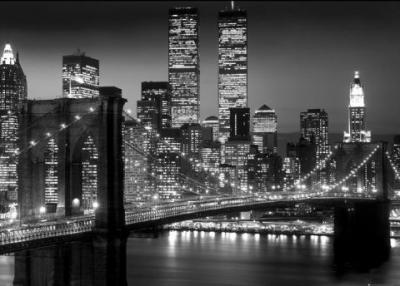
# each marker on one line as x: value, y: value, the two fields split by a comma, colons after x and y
x: 194, y: 258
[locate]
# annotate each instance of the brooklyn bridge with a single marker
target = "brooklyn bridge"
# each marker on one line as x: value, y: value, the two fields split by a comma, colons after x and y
x: 361, y: 214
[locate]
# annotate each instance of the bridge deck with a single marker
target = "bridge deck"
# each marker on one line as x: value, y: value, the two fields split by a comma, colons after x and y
x: 41, y: 234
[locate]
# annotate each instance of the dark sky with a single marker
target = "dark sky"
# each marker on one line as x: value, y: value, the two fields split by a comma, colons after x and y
x: 301, y: 54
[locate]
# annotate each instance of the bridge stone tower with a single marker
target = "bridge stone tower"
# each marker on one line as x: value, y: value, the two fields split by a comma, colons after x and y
x: 69, y: 122
x: 362, y: 229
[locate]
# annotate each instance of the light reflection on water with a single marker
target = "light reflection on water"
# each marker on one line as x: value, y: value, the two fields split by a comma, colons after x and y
x: 198, y: 258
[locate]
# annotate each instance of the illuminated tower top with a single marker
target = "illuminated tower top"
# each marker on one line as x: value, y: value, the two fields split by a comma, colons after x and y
x: 356, y: 92
x: 8, y: 55
x: 357, y: 131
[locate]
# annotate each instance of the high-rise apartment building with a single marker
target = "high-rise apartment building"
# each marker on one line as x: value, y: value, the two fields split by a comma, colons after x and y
x: 80, y: 76
x: 357, y: 129
x: 265, y: 130
x: 232, y: 65
x: 183, y: 65
x: 13, y: 92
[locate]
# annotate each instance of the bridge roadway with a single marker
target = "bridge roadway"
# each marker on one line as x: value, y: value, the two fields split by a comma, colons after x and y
x: 69, y: 228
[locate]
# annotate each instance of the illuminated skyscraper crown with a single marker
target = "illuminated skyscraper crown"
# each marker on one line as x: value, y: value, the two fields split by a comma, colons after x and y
x: 356, y: 92
x: 8, y: 55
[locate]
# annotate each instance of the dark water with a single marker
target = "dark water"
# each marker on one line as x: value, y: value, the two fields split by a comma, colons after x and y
x: 192, y: 258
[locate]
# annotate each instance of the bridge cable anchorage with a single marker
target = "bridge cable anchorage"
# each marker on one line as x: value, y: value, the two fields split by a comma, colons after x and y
x: 182, y: 175
x: 47, y: 135
x: 182, y: 154
x: 393, y: 166
x: 318, y: 167
x: 355, y: 170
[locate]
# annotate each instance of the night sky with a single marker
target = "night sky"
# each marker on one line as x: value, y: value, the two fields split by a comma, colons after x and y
x: 301, y: 54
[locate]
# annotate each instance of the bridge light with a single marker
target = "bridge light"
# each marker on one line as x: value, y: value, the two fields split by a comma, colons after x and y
x: 63, y: 126
x: 91, y: 109
x: 129, y: 111
x: 48, y: 134
x: 33, y: 143
x: 42, y: 210
x: 77, y: 117
x: 95, y: 205
x: 345, y: 188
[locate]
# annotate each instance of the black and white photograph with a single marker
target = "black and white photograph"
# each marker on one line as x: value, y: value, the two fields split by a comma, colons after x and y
x: 199, y: 143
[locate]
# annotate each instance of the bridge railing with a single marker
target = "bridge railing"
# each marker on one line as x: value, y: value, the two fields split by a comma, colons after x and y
x: 46, y: 230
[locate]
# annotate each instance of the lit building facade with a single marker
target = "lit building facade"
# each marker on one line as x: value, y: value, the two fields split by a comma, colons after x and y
x: 212, y: 121
x: 138, y: 186
x: 357, y: 128
x: 166, y: 170
x: 13, y: 92
x: 80, y: 76
x: 232, y: 65
x: 154, y: 108
x: 291, y: 170
x: 236, y: 154
x: 210, y: 155
x: 183, y: 65
x: 314, y: 128
x: 239, y: 122
x: 265, y: 130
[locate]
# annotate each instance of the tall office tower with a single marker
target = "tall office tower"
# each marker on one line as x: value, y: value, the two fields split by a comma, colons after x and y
x: 80, y: 76
x: 167, y: 168
x: 136, y: 180
x: 238, y: 145
x: 183, y: 65
x: 154, y: 108
x: 265, y: 131
x: 357, y: 131
x: 239, y: 122
x: 212, y: 121
x: 13, y: 92
x: 232, y: 65
x: 314, y: 128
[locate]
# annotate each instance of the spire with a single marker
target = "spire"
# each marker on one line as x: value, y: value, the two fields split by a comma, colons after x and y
x: 233, y: 5
x: 8, y: 56
x: 357, y: 78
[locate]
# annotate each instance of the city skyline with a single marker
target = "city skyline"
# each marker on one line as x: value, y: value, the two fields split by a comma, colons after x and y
x: 276, y: 76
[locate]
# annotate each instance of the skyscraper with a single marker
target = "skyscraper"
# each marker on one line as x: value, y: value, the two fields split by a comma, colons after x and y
x: 232, y: 65
x: 80, y: 76
x: 265, y: 134
x: 13, y: 92
x: 314, y: 128
x: 154, y: 108
x: 183, y: 65
x: 239, y: 122
x: 356, y: 130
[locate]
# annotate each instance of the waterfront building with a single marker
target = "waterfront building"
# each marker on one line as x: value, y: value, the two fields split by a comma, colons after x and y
x: 357, y: 118
x: 183, y: 65
x: 80, y: 76
x: 13, y: 93
x: 265, y: 130
x: 232, y: 65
